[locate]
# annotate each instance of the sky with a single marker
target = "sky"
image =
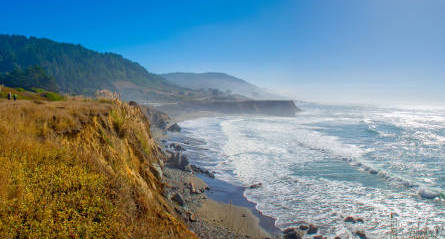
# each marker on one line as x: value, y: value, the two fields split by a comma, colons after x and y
x: 367, y: 51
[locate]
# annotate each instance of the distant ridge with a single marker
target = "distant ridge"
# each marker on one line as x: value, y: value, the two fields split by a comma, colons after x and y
x: 220, y: 81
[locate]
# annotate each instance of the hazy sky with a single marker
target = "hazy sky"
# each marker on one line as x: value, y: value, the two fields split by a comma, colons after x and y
x: 322, y: 50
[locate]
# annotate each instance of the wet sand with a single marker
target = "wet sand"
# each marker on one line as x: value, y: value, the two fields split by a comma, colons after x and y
x: 222, y: 211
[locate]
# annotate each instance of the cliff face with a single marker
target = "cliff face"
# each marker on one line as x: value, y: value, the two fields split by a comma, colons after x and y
x: 81, y: 169
x: 283, y: 108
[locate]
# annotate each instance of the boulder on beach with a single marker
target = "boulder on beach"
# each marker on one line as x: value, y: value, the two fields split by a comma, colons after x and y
x: 179, y: 161
x: 192, y: 217
x: 179, y: 199
x: 318, y: 237
x: 292, y: 233
x: 197, y: 169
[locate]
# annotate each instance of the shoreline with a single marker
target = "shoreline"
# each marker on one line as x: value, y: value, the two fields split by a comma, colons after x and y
x: 227, y: 193
x: 206, y: 217
x: 222, y: 209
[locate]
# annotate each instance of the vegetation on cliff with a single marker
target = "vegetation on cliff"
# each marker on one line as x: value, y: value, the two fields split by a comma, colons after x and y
x: 81, y: 168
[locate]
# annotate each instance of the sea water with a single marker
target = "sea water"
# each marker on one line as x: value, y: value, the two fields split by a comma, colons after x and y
x: 330, y: 162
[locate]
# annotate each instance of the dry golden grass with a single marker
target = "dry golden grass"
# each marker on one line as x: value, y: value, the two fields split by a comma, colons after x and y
x: 80, y: 169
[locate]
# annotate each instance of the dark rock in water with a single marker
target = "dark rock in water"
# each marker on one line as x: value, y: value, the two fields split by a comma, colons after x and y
x: 373, y: 171
x: 349, y: 219
x: 292, y: 233
x: 318, y: 237
x: 312, y: 229
x: 304, y: 227
x: 337, y: 237
x: 361, y: 234
x: 428, y: 194
x: 354, y: 219
x: 255, y: 186
x: 179, y: 199
x: 174, y: 128
x: 176, y: 147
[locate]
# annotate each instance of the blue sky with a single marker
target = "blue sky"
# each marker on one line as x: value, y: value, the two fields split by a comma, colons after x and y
x: 331, y: 51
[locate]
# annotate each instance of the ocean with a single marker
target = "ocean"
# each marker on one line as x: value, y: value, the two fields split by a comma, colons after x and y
x: 329, y: 162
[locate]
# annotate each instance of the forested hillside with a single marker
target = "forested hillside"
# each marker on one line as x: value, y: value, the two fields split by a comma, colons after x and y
x: 29, y: 78
x: 75, y: 69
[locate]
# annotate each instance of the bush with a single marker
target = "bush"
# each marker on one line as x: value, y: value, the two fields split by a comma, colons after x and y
x: 38, y: 90
x: 52, y: 96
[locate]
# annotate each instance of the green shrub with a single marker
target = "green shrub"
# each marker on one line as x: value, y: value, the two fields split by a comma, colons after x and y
x: 20, y: 89
x: 38, y: 90
x: 52, y: 96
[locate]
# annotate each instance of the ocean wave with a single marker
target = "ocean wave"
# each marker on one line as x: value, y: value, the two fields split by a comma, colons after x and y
x: 321, y: 167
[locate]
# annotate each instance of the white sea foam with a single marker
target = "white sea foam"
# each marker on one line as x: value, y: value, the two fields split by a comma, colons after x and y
x: 324, y: 165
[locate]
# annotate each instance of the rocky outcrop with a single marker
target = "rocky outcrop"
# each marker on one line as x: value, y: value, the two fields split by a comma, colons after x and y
x: 284, y: 108
x: 177, y: 147
x: 292, y: 233
x: 197, y: 169
x: 174, y: 128
x: 179, y: 199
x: 178, y: 160
x: 255, y: 186
x: 312, y: 229
x: 157, y: 118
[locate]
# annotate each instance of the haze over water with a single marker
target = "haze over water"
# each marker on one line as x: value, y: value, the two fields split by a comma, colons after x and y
x: 330, y: 162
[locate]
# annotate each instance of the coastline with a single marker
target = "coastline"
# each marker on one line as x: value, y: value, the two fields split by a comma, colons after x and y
x: 203, y: 215
x: 227, y: 193
x: 213, y: 208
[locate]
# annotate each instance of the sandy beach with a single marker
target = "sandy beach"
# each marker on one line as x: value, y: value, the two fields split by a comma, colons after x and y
x: 204, y: 216
x: 210, y: 207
